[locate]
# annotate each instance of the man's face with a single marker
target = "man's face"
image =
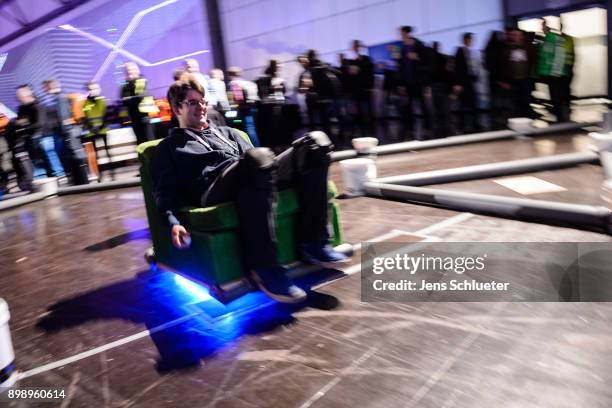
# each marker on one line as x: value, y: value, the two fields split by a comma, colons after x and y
x: 406, y: 36
x: 94, y: 90
x: 24, y: 95
x: 192, y: 112
x: 217, y: 74
x: 468, y: 41
x: 131, y: 72
x: 515, y: 37
x: 192, y: 66
x: 53, y: 87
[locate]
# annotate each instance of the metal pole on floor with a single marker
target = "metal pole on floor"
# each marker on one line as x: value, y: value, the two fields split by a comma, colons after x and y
x: 461, y: 140
x: 481, y: 171
x: 578, y: 216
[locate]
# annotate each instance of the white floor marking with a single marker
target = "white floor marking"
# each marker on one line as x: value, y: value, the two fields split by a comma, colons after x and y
x: 527, y: 185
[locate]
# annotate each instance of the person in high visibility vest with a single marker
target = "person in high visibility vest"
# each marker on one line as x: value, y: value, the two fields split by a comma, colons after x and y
x: 94, y: 109
x: 556, y: 57
x: 135, y: 100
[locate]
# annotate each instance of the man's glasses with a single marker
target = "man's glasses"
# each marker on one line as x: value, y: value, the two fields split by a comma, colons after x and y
x: 194, y: 102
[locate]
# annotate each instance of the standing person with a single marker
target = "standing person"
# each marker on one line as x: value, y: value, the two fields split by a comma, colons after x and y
x: 358, y: 81
x: 493, y: 64
x: 201, y: 164
x: 94, y: 109
x: 466, y: 76
x: 40, y: 143
x: 192, y: 66
x: 327, y: 93
x: 413, y: 77
x: 67, y: 136
x: 517, y: 65
x: 568, y: 74
x: 17, y: 133
x: 554, y: 68
x: 242, y: 95
x: 305, y: 89
x: 441, y: 83
x: 133, y: 94
x: 271, y: 85
x: 218, y: 87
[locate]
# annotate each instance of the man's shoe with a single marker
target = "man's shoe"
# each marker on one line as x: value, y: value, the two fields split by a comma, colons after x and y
x: 274, y: 283
x: 321, y: 253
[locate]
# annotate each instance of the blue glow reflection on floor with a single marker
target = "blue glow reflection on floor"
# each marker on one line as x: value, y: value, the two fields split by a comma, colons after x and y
x: 191, y: 294
x: 212, y: 326
x: 198, y: 292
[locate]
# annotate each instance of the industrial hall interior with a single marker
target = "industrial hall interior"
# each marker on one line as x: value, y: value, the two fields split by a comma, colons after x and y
x: 305, y: 204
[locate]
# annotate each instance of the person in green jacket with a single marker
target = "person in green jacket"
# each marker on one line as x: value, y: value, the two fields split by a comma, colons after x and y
x: 94, y: 109
x: 555, y: 68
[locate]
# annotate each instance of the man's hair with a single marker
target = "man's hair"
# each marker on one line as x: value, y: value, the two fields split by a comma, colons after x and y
x: 178, y: 73
x: 90, y: 83
x: 23, y: 86
x: 234, y: 71
x: 178, y: 91
x: 50, y: 81
x: 406, y: 29
x: 467, y: 36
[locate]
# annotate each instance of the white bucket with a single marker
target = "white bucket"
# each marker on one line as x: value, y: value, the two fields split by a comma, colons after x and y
x: 47, y: 185
x: 520, y: 125
x: 364, y: 145
x: 7, y: 355
x: 603, y: 141
x: 355, y: 172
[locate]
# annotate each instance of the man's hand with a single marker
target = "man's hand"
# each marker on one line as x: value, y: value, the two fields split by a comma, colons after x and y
x: 457, y: 89
x: 180, y: 237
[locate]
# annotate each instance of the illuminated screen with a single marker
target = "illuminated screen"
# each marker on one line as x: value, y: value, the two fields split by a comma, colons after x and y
x: 156, y: 34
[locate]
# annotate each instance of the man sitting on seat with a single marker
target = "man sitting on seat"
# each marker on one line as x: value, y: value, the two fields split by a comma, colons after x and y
x: 202, y: 165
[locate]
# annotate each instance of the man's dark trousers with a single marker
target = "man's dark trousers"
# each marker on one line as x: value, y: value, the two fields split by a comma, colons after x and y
x: 252, y: 182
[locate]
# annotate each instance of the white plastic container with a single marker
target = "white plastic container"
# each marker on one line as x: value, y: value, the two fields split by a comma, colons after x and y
x: 7, y: 355
x: 47, y: 185
x: 355, y: 172
x: 364, y: 145
x: 603, y: 143
x: 520, y: 125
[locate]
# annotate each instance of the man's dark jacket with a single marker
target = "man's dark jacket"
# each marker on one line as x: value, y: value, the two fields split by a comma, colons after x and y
x: 184, y: 166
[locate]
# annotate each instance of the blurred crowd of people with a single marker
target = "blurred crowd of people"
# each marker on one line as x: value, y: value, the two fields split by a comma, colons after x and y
x: 45, y: 139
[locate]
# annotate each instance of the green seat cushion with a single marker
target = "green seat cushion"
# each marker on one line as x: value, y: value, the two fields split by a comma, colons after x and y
x: 224, y: 217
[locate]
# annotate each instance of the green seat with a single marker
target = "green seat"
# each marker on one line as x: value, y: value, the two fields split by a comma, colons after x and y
x: 214, y: 255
